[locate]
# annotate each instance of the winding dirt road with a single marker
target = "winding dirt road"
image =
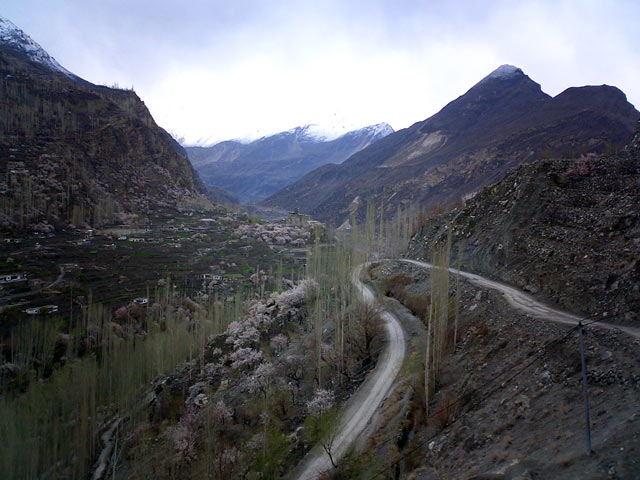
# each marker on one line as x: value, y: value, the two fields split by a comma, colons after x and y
x: 363, y: 404
x: 527, y: 304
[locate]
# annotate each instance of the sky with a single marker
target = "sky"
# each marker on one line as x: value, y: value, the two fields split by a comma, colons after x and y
x: 225, y: 69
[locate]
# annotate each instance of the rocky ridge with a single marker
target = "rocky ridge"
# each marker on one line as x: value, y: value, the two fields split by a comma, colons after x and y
x: 258, y: 169
x: 80, y: 154
x: 474, y: 141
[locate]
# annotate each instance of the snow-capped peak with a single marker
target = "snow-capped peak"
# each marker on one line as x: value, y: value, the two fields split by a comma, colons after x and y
x: 504, y: 72
x: 310, y: 133
x: 323, y: 133
x: 17, y: 39
x: 379, y: 130
x: 327, y: 133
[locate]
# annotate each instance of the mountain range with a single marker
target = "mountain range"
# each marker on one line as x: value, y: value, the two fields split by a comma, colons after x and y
x: 253, y: 171
x: 504, y: 120
x: 75, y: 153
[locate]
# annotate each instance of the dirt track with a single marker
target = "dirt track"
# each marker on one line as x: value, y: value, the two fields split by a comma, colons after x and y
x: 363, y: 404
x: 528, y: 304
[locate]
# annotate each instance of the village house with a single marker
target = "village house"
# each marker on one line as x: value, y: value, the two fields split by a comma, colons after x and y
x: 297, y: 218
x: 47, y: 309
x: 13, y: 278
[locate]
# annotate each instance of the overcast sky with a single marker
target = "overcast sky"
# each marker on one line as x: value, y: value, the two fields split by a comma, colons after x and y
x: 215, y: 70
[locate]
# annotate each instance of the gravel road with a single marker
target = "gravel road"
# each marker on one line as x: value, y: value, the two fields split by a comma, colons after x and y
x: 363, y: 404
x: 528, y: 304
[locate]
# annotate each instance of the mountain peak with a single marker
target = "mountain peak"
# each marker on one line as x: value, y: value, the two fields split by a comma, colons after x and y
x: 14, y: 37
x: 503, y: 72
x: 380, y: 129
x: 332, y: 131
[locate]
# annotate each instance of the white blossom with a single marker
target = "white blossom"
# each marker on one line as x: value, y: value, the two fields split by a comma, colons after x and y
x: 322, y: 401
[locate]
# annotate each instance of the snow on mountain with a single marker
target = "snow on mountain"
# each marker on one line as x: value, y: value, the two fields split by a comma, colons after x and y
x: 378, y: 130
x: 332, y: 131
x: 503, y: 72
x: 311, y: 132
x: 324, y: 132
x: 14, y: 37
x: 327, y: 133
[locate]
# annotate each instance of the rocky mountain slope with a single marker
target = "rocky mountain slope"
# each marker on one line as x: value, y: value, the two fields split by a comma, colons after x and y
x: 256, y: 170
x: 218, y: 195
x: 501, y: 122
x: 565, y: 230
x: 76, y: 153
x: 508, y: 402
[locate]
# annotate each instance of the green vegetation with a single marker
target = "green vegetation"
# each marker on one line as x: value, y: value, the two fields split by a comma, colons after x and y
x: 322, y: 429
x: 143, y: 254
x: 54, y: 425
x: 72, y: 389
x: 270, y: 459
x: 438, y: 321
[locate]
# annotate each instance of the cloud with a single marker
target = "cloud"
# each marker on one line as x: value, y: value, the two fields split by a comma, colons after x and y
x: 220, y: 69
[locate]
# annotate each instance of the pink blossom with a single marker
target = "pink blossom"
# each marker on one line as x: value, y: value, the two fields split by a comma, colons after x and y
x: 296, y: 296
x: 279, y: 342
x: 122, y: 313
x: 322, y: 401
x: 261, y: 378
x: 184, y: 436
x: 245, y: 357
x: 221, y: 413
x: 234, y: 327
x: 246, y: 338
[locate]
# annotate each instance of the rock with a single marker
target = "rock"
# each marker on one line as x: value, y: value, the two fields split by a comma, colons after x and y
x: 522, y: 403
x: 195, y: 392
x: 473, y: 442
x: 201, y: 400
x: 606, y: 355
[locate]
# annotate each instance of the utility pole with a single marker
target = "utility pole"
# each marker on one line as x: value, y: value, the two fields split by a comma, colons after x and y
x: 585, y: 390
